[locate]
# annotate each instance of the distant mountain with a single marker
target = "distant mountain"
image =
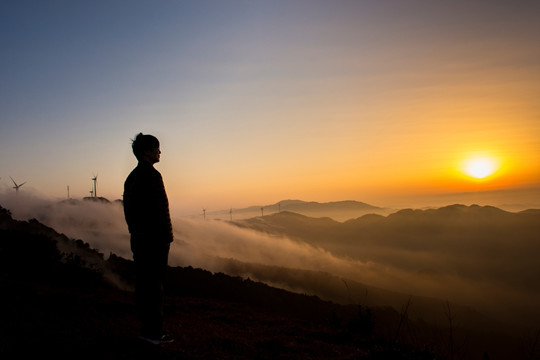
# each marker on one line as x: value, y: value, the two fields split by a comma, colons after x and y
x: 96, y: 199
x: 338, y: 210
x: 531, y: 211
x: 450, y: 249
x: 454, y: 223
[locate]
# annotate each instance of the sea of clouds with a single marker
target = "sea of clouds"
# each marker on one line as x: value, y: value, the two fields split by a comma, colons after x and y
x: 205, y: 244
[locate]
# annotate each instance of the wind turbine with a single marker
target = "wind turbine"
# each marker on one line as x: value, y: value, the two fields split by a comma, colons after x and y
x: 204, y: 214
x: 94, y: 179
x: 16, y: 187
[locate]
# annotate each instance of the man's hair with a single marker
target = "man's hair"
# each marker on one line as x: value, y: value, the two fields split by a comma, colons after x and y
x: 143, y: 143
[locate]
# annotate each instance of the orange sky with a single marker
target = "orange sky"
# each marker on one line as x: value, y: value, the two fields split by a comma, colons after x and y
x: 262, y: 101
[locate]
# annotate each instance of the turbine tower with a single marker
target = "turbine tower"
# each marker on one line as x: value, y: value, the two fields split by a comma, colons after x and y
x: 94, y: 179
x: 16, y: 187
x: 204, y: 214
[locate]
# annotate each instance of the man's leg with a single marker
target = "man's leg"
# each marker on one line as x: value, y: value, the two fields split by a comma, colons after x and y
x: 151, y: 265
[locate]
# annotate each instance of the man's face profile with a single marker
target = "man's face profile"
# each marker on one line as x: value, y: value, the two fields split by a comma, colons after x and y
x: 152, y: 156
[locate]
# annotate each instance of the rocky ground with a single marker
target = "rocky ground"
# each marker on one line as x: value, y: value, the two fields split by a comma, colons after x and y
x: 61, y: 305
x: 43, y: 320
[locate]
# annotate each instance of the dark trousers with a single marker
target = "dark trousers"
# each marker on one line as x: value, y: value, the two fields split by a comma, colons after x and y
x: 150, y: 268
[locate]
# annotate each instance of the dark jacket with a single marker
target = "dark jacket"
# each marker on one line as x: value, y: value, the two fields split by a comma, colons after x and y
x: 146, y: 206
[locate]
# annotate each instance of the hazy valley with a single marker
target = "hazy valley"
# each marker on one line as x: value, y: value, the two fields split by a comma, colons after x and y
x: 474, y: 264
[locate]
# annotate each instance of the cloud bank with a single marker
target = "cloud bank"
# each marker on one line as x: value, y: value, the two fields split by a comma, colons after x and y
x: 209, y: 244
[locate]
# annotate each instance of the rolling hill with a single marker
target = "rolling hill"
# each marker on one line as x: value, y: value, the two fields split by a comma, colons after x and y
x: 338, y: 210
x: 482, y: 256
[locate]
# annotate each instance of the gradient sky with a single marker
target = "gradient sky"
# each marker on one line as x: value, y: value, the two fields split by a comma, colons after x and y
x: 259, y: 101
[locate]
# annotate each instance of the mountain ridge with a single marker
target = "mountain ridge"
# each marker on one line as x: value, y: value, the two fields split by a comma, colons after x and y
x: 458, y: 244
x: 337, y: 210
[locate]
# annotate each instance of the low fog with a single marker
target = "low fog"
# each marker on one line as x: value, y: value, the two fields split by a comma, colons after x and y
x: 487, y: 277
x: 198, y: 243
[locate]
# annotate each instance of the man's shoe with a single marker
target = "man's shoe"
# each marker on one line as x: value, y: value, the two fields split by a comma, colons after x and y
x: 163, y: 339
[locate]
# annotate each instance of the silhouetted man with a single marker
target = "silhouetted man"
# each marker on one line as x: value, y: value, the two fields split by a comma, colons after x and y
x: 146, y: 209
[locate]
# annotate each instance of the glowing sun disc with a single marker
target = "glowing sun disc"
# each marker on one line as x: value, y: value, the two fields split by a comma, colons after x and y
x: 480, y: 168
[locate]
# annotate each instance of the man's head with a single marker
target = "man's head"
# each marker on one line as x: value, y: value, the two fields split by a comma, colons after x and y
x: 146, y: 148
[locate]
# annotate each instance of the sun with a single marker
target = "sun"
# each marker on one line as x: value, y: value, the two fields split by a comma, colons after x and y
x: 480, y: 167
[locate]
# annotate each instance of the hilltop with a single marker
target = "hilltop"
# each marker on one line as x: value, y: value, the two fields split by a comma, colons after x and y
x: 75, y: 304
